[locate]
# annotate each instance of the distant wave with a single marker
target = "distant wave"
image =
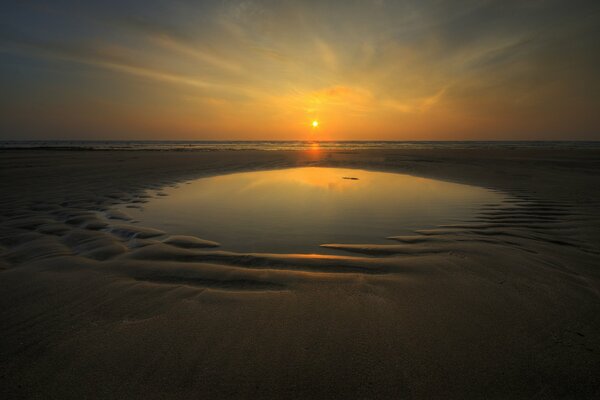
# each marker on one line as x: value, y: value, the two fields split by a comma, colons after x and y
x: 283, y: 145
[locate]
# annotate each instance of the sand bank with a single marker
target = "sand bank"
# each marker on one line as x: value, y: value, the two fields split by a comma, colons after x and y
x: 93, y: 305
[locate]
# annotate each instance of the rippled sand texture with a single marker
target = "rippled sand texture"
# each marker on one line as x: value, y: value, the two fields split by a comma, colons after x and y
x: 93, y: 305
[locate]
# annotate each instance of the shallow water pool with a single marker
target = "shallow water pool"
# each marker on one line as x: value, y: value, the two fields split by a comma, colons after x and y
x: 295, y: 210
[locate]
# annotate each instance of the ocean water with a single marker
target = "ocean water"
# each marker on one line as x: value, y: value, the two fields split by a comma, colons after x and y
x: 284, y: 145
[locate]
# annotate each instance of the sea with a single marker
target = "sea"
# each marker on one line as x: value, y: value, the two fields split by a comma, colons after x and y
x: 269, y: 145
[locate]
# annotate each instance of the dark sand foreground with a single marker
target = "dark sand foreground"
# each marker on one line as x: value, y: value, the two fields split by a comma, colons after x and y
x: 93, y: 306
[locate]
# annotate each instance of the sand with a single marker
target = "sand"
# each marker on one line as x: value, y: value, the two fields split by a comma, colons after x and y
x: 93, y: 305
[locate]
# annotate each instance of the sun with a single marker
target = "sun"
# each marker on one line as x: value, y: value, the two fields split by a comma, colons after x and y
x: 315, y: 124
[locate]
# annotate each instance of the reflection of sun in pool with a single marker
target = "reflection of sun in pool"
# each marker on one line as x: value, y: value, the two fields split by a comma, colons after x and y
x: 297, y: 209
x: 315, y: 124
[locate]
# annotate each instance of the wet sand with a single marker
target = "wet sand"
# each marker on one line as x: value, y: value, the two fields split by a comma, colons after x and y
x: 93, y: 305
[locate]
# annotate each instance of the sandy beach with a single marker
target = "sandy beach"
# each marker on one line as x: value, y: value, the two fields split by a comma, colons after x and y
x: 93, y: 305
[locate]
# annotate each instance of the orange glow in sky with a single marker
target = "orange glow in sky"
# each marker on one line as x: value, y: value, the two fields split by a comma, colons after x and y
x: 257, y: 69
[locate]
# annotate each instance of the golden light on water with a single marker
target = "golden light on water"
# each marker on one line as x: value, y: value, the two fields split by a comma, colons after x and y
x: 319, y: 203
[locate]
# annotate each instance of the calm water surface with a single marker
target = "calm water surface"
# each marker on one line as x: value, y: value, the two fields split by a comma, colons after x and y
x: 295, y: 210
x: 200, y: 145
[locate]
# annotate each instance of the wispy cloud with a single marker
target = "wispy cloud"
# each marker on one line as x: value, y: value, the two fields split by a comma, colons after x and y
x: 89, y: 57
x: 386, y: 68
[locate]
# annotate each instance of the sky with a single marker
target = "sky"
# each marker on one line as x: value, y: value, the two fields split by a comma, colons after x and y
x: 265, y: 70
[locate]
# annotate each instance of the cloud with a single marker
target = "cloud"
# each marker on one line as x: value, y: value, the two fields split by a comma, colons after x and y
x: 173, y: 39
x: 327, y: 54
x: 406, y: 64
x: 419, y: 105
x: 85, y: 55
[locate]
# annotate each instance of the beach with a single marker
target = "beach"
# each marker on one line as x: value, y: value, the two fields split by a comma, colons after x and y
x: 93, y: 305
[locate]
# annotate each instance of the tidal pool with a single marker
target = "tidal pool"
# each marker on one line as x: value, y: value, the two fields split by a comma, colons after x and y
x: 295, y: 210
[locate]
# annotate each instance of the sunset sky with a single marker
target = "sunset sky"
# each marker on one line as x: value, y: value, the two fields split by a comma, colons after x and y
x: 231, y: 69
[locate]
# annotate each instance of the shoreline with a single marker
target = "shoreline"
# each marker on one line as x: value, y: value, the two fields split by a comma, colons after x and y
x: 291, y: 145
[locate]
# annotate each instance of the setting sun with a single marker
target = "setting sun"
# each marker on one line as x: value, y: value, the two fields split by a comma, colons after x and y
x: 315, y: 124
